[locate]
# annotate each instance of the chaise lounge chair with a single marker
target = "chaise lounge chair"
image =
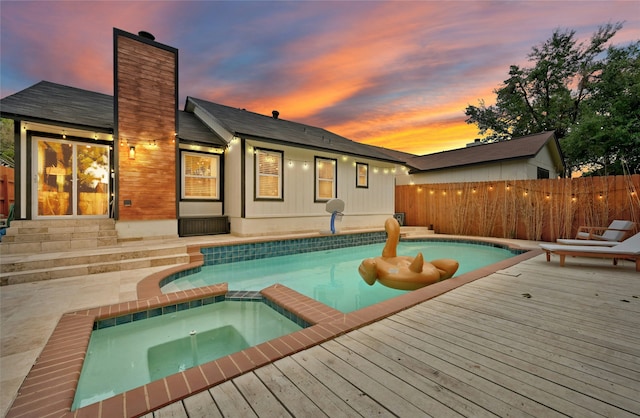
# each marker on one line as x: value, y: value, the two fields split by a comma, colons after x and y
x: 615, y: 232
x: 629, y: 249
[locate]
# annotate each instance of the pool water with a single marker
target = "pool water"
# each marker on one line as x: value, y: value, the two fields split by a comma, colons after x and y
x: 331, y: 276
x: 126, y: 356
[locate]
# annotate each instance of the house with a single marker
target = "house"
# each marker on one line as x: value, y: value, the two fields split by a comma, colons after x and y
x: 160, y: 172
x: 535, y: 156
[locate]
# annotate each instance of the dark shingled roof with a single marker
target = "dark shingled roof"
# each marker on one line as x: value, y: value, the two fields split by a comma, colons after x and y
x: 54, y: 103
x: 63, y: 105
x: 192, y: 129
x: 517, y: 148
x: 253, y: 125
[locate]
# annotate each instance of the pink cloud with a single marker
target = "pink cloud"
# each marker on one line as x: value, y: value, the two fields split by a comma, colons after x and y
x: 397, y: 74
x: 72, y: 42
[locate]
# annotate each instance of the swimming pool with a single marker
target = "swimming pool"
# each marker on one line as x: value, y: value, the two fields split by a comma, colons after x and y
x: 331, y: 276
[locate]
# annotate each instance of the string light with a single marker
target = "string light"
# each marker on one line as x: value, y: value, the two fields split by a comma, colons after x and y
x: 292, y: 162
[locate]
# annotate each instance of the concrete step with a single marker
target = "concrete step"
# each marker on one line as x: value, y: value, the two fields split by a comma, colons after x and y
x: 44, y: 236
x: 23, y: 269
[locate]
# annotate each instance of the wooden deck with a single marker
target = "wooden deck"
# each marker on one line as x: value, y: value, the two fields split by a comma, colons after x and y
x: 533, y: 340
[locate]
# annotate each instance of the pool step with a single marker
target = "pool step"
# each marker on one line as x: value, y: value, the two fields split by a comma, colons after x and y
x: 415, y: 231
x: 48, y: 266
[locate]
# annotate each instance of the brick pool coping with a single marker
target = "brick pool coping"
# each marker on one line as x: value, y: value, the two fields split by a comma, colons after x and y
x: 49, y: 388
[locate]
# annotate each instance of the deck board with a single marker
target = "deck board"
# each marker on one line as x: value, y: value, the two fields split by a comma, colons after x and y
x: 587, y: 354
x: 530, y: 349
x: 327, y: 401
x: 585, y: 390
x: 535, y: 339
x: 433, y: 383
x: 201, y: 405
x: 361, y: 403
x: 230, y: 401
x: 407, y: 399
x: 288, y: 393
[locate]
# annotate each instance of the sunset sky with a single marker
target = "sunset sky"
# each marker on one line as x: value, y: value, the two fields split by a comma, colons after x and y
x: 395, y: 74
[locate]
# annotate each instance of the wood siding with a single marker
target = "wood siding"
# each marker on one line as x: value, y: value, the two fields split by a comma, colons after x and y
x: 7, y: 189
x: 526, y: 209
x: 146, y: 95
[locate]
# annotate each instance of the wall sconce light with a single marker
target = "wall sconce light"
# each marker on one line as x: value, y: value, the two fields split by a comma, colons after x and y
x: 132, y: 152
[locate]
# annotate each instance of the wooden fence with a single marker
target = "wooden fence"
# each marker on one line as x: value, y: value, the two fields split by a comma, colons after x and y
x: 525, y: 209
x: 7, y: 190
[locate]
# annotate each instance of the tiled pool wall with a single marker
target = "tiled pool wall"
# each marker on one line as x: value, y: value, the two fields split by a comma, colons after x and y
x: 233, y: 296
x: 513, y: 250
x: 257, y: 250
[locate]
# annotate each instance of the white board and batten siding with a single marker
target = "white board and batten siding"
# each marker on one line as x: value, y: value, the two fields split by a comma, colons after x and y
x: 298, y: 210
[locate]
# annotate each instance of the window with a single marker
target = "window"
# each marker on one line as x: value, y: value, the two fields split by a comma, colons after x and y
x: 200, y: 176
x: 362, y: 175
x: 543, y: 173
x: 268, y: 173
x: 72, y: 178
x: 325, y: 179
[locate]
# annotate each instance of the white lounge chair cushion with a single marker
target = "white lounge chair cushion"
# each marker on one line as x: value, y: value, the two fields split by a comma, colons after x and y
x: 586, y: 242
x: 630, y: 246
x: 614, y: 232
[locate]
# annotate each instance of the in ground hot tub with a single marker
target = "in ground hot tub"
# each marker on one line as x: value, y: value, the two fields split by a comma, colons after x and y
x: 127, y: 355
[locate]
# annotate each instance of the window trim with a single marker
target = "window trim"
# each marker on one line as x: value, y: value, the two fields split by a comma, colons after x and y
x: 183, y: 176
x: 316, y: 179
x: 256, y: 174
x: 366, y: 180
x: 542, y: 173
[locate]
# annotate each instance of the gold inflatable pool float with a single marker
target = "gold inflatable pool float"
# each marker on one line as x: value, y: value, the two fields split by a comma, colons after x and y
x: 402, y: 272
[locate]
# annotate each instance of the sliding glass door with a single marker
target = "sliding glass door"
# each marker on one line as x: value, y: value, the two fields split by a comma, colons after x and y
x: 72, y: 179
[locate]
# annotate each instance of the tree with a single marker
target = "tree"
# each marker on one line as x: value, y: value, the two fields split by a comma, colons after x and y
x: 6, y: 142
x: 561, y: 91
x: 606, y: 139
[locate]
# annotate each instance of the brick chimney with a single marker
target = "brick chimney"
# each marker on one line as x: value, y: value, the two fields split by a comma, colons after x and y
x: 145, y: 112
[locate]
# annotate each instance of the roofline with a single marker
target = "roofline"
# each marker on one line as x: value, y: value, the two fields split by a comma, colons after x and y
x: 24, y: 118
x: 289, y: 144
x: 525, y: 157
x: 552, y: 135
x: 190, y: 104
